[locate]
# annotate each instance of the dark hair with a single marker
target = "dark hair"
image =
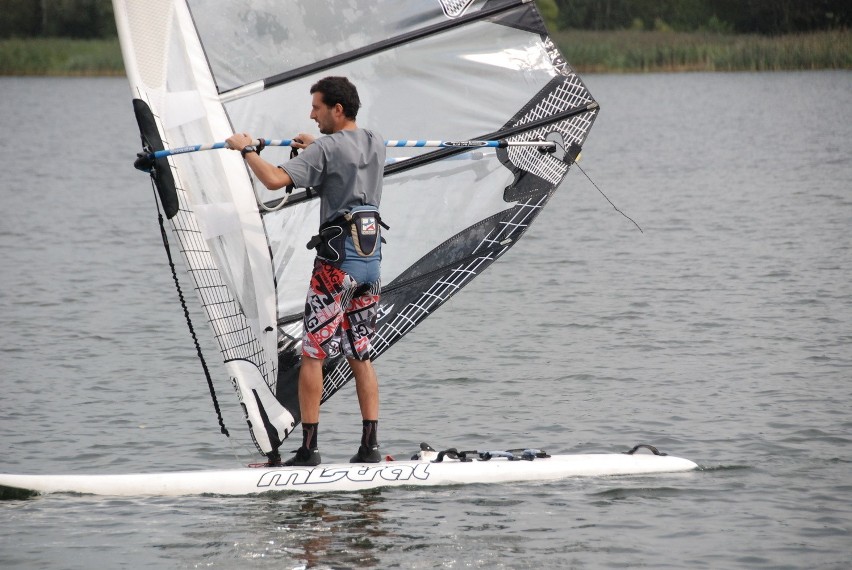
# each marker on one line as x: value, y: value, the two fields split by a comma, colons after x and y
x: 339, y: 90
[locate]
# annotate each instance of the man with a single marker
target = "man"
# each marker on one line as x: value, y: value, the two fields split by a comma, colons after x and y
x: 345, y: 168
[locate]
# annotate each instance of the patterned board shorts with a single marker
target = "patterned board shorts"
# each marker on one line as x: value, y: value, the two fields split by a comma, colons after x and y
x: 340, y: 314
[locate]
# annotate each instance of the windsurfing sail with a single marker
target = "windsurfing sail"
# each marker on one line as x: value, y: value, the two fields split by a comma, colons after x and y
x: 454, y: 70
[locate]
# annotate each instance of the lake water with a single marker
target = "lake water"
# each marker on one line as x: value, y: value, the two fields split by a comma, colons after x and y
x: 723, y: 334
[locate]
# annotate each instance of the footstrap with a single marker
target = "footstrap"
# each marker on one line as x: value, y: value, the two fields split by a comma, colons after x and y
x: 650, y: 448
x: 524, y: 454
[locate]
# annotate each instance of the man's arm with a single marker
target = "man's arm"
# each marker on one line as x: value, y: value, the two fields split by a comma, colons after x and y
x: 271, y: 176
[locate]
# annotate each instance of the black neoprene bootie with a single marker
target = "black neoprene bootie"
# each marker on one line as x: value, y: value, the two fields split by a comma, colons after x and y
x: 308, y: 454
x: 367, y: 455
x: 369, y: 450
x: 304, y: 458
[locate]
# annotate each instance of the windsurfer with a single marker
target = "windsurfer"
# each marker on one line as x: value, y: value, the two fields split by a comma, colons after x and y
x: 345, y: 168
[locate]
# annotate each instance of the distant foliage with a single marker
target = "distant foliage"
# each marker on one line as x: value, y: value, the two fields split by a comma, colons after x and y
x: 549, y: 11
x: 646, y: 51
x: 771, y: 17
x: 93, y: 19
x: 77, y: 37
x: 84, y: 19
x: 60, y: 56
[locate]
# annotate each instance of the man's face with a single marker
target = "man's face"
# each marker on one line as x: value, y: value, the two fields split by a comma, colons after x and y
x: 322, y: 114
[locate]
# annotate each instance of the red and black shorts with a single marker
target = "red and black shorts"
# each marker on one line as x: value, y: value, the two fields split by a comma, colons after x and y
x: 340, y: 314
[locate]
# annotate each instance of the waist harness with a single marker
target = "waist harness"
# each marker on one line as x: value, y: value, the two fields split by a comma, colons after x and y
x: 363, y: 226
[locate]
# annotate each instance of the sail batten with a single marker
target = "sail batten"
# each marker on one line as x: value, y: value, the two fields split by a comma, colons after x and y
x: 453, y: 68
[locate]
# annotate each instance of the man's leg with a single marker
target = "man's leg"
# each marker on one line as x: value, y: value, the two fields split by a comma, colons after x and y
x: 323, y: 314
x: 310, y: 389
x: 310, y: 393
x: 367, y: 387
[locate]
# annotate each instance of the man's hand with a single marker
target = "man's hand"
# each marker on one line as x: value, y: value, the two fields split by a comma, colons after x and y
x: 302, y: 140
x: 238, y: 141
x: 269, y: 175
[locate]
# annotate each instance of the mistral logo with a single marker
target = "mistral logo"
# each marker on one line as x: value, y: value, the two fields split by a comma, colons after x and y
x: 357, y: 474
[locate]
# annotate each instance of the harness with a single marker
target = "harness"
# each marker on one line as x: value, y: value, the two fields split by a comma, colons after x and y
x: 362, y: 225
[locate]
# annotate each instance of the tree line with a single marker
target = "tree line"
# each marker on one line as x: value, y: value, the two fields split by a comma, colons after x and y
x: 769, y: 17
x: 94, y: 18
x: 85, y: 19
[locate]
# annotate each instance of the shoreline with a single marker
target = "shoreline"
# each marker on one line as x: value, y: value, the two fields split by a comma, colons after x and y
x: 628, y: 51
x: 623, y: 51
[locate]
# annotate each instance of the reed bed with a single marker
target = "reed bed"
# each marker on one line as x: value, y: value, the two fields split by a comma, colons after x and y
x: 643, y: 51
x: 60, y: 56
x: 587, y: 51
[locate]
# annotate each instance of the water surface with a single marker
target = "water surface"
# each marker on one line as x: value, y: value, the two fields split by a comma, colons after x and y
x: 722, y: 334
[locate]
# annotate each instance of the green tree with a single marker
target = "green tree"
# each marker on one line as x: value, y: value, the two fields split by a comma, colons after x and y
x: 21, y: 18
x: 550, y: 12
x: 743, y: 16
x: 680, y: 15
x: 785, y: 16
x: 57, y: 18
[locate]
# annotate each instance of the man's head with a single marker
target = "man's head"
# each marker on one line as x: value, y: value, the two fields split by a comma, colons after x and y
x: 335, y: 102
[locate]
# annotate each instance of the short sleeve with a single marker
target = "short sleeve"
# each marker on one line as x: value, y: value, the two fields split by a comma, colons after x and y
x: 308, y: 168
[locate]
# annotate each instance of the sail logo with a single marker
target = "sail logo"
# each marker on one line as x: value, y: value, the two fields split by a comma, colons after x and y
x: 294, y: 477
x: 455, y: 8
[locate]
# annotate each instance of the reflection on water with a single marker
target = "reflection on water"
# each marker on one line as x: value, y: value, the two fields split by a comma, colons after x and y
x: 318, y: 531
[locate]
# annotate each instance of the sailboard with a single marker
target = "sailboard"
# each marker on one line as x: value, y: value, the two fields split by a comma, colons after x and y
x: 434, y: 70
x: 445, y: 70
x: 423, y: 470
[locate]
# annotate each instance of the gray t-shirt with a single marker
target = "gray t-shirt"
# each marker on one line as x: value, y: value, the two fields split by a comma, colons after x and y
x: 345, y: 168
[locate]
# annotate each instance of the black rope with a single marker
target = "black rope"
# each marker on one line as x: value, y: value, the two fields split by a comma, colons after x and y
x: 574, y: 161
x: 607, y: 198
x: 164, y: 234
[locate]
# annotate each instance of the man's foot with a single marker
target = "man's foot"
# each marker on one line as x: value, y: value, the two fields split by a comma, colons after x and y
x: 304, y: 458
x: 367, y: 455
x: 273, y: 459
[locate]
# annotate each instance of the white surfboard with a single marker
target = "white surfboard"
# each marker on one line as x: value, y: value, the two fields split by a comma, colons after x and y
x: 350, y: 477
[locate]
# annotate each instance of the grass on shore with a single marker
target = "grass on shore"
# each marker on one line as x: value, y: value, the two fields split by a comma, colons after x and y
x: 638, y: 51
x: 586, y: 51
x: 60, y: 57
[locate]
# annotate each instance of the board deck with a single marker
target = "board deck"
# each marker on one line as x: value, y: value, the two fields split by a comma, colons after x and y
x: 349, y: 477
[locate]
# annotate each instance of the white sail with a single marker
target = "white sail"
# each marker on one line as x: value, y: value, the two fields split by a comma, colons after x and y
x: 463, y: 70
